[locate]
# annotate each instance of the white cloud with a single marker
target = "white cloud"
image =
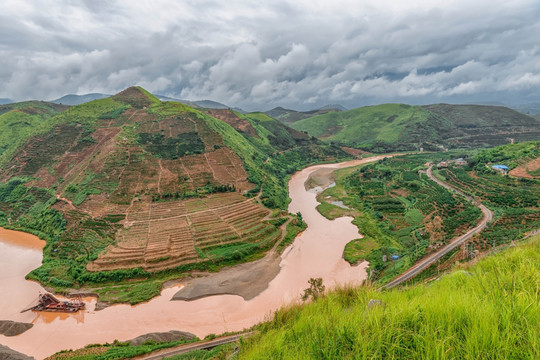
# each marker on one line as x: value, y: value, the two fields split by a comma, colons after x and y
x: 273, y: 53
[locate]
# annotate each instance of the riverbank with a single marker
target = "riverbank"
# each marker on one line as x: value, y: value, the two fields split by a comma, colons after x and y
x: 317, y: 252
x: 489, y: 310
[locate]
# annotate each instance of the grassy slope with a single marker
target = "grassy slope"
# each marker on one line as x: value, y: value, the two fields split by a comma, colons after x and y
x: 490, y: 310
x: 511, y: 155
x: 364, y: 125
x: 387, y: 127
x: 19, y: 121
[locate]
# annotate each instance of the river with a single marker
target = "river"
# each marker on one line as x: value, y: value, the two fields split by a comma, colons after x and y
x: 317, y: 252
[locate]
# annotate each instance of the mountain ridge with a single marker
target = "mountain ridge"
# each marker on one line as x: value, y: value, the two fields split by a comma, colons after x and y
x: 391, y: 127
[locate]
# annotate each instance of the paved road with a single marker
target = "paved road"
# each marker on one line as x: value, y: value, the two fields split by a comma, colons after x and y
x: 430, y: 259
x: 183, y: 349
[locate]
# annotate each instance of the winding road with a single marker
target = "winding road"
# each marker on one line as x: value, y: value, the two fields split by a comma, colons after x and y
x: 184, y: 349
x: 460, y: 240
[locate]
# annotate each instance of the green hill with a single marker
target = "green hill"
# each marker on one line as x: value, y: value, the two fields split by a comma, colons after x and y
x: 391, y: 127
x: 18, y: 121
x: 399, y: 210
x: 132, y: 187
x: 485, y: 311
x: 288, y: 116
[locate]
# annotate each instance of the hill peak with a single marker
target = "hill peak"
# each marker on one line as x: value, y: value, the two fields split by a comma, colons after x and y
x: 136, y: 96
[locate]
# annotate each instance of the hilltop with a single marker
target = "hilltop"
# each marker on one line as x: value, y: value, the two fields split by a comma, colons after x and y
x: 391, y: 127
x: 132, y: 187
x: 72, y: 99
x: 288, y: 116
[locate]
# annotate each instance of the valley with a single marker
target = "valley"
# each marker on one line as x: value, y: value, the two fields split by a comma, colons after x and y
x: 181, y: 212
x: 311, y: 255
x: 316, y: 181
x: 129, y: 187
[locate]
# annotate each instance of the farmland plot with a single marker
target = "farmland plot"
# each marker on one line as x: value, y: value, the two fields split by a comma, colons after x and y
x: 163, y: 235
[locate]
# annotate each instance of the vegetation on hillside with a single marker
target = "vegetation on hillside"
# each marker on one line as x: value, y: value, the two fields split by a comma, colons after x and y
x: 274, y: 154
x: 117, y: 350
x: 19, y: 121
x: 515, y: 201
x: 121, y: 188
x: 510, y: 155
x: 399, y: 211
x: 288, y: 116
x: 490, y: 310
x: 391, y: 127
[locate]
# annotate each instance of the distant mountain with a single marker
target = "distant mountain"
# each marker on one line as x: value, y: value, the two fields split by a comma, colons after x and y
x: 489, y: 103
x: 209, y: 104
x: 72, y: 99
x: 530, y: 108
x: 185, y: 102
x: 240, y: 110
x: 288, y: 116
x: 198, y: 104
x: 334, y: 106
x: 4, y: 101
x: 390, y: 127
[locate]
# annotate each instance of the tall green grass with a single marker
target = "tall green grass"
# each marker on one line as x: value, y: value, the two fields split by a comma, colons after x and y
x: 487, y: 311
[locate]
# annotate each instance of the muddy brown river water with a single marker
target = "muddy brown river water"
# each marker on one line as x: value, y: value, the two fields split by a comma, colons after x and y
x: 317, y: 252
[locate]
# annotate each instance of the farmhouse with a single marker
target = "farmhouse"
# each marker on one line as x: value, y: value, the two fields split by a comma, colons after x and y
x: 442, y: 164
x: 460, y: 162
x: 503, y: 169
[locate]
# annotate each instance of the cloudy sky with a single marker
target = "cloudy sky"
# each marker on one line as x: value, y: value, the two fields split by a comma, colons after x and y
x: 259, y: 54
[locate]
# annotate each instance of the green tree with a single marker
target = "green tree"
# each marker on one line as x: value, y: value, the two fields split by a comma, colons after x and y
x: 315, y: 289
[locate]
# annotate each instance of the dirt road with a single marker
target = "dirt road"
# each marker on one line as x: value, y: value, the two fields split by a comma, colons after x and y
x: 430, y: 259
x: 183, y: 349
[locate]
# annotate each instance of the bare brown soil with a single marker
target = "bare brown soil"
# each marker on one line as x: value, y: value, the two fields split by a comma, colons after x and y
x: 162, y: 235
x: 354, y: 152
x: 232, y: 119
x: 523, y: 170
x: 400, y: 192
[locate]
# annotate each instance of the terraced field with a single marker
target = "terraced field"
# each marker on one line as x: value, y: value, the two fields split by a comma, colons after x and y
x: 400, y: 212
x: 128, y: 183
x: 162, y: 235
x: 515, y: 201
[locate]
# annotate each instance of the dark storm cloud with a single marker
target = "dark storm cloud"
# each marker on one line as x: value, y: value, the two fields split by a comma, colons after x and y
x: 300, y: 54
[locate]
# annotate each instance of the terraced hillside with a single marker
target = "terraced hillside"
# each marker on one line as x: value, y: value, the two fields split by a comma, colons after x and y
x: 170, y: 234
x: 128, y: 185
x: 399, y: 210
x: 391, y: 127
x: 514, y: 199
